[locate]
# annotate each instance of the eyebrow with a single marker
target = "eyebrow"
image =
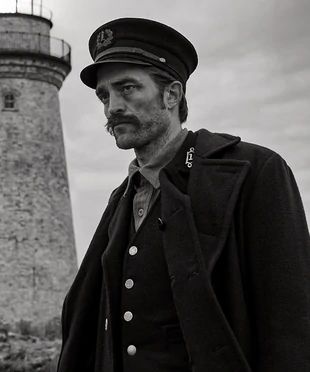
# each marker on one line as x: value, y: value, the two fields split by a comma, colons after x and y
x: 125, y: 80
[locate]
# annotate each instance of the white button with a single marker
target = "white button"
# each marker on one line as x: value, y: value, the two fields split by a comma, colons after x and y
x: 133, y: 250
x: 128, y: 316
x: 131, y: 350
x: 140, y: 212
x: 129, y: 283
x: 106, y: 324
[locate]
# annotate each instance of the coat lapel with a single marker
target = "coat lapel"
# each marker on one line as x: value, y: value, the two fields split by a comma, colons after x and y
x: 197, y: 226
x: 207, y: 207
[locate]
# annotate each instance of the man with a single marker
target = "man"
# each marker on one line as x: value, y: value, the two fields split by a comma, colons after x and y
x: 201, y: 260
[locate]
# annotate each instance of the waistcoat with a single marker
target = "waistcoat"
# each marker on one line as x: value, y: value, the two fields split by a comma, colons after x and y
x: 150, y: 331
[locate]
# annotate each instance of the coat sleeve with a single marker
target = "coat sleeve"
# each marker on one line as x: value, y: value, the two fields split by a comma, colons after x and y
x: 278, y: 254
x: 81, y: 305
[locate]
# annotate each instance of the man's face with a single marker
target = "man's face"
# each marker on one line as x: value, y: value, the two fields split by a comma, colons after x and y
x: 133, y: 105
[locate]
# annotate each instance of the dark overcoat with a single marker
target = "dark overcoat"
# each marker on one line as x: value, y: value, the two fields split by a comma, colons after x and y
x: 238, y: 256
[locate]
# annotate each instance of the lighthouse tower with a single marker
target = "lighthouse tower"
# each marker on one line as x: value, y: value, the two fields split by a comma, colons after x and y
x: 37, y: 251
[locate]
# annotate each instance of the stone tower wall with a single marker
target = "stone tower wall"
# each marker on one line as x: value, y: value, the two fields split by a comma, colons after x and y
x: 32, y: 67
x: 37, y: 250
x: 37, y: 260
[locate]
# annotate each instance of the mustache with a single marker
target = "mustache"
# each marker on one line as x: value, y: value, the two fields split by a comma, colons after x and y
x: 119, y: 119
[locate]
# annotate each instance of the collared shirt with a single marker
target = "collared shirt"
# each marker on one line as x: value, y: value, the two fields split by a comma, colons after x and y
x: 148, y: 188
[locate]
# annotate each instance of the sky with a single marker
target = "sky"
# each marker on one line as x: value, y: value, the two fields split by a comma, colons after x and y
x: 253, y: 80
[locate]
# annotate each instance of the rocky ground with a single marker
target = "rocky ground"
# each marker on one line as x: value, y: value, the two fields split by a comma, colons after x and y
x: 27, y: 353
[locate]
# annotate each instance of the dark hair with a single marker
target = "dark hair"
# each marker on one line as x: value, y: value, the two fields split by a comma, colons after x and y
x: 162, y: 79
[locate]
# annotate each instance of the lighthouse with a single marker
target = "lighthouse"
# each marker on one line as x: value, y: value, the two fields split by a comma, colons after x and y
x: 37, y: 249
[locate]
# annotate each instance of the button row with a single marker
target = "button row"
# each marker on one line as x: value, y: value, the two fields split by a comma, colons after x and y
x: 129, y: 283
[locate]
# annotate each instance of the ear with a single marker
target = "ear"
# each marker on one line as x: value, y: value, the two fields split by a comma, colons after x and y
x: 173, y: 94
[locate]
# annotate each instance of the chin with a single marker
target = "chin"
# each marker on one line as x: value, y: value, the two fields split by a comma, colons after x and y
x: 129, y: 141
x: 124, y: 146
x: 124, y: 142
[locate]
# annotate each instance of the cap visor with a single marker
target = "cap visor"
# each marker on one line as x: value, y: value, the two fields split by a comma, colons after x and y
x: 89, y: 73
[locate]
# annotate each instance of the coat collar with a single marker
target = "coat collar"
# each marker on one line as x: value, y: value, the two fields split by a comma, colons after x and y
x: 210, y: 144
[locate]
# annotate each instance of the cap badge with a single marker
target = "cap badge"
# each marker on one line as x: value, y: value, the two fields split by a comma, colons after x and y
x: 104, y: 38
x: 189, y: 157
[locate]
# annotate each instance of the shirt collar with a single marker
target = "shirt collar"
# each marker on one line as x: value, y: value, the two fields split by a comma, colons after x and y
x: 151, y: 170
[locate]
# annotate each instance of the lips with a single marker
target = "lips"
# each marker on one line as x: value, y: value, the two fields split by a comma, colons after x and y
x: 122, y: 123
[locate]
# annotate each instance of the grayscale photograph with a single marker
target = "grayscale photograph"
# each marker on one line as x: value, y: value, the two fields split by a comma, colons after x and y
x: 154, y: 186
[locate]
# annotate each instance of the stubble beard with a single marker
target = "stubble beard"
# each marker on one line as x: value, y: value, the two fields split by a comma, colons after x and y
x: 144, y: 133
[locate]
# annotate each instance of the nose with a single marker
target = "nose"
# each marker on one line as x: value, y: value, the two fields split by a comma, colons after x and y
x: 116, y: 104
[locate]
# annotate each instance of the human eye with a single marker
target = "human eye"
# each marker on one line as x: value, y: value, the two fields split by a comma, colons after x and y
x: 128, y: 89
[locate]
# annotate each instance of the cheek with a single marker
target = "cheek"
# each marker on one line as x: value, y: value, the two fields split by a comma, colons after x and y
x: 146, y: 108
